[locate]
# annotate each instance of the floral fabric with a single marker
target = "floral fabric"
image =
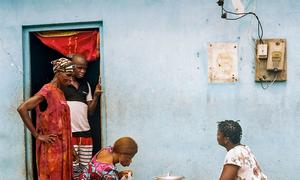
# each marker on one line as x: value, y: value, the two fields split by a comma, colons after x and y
x: 242, y: 156
x: 54, y: 161
x: 100, y: 171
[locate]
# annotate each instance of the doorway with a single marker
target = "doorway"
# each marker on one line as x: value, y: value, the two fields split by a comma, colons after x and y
x: 39, y: 72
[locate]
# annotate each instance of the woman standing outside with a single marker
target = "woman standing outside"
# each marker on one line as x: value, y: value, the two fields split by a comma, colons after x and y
x: 53, y: 127
x: 240, y: 163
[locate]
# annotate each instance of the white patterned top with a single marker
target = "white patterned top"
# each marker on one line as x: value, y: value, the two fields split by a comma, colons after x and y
x: 242, y: 156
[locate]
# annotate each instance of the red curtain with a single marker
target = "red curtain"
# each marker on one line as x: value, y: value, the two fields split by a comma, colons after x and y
x: 86, y: 43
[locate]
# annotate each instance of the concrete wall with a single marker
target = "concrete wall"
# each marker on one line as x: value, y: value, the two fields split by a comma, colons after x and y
x: 156, y: 87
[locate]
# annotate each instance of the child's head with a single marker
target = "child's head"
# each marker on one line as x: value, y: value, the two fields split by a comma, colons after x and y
x: 126, y: 147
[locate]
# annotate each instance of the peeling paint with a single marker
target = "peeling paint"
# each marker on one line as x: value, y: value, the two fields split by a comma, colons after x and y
x: 238, y: 6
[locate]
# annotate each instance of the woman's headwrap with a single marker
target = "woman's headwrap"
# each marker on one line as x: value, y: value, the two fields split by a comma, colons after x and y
x: 62, y: 65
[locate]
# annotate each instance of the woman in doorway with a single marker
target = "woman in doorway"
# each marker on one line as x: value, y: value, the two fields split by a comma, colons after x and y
x: 240, y: 162
x: 102, y: 165
x: 53, y: 127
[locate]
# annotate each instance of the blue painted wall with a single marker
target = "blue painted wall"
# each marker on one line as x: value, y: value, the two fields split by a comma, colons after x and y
x: 156, y: 87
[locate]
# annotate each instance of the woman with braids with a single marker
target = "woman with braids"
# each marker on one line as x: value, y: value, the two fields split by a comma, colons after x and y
x: 53, y: 127
x: 240, y: 163
x: 102, y: 165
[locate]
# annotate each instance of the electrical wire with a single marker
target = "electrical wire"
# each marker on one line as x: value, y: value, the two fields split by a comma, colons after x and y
x: 260, y: 31
x: 270, y: 84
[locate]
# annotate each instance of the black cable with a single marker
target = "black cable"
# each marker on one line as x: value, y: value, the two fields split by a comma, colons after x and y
x: 260, y: 31
x: 235, y: 18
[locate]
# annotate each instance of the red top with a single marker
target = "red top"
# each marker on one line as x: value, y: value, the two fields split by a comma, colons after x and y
x: 54, y: 161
